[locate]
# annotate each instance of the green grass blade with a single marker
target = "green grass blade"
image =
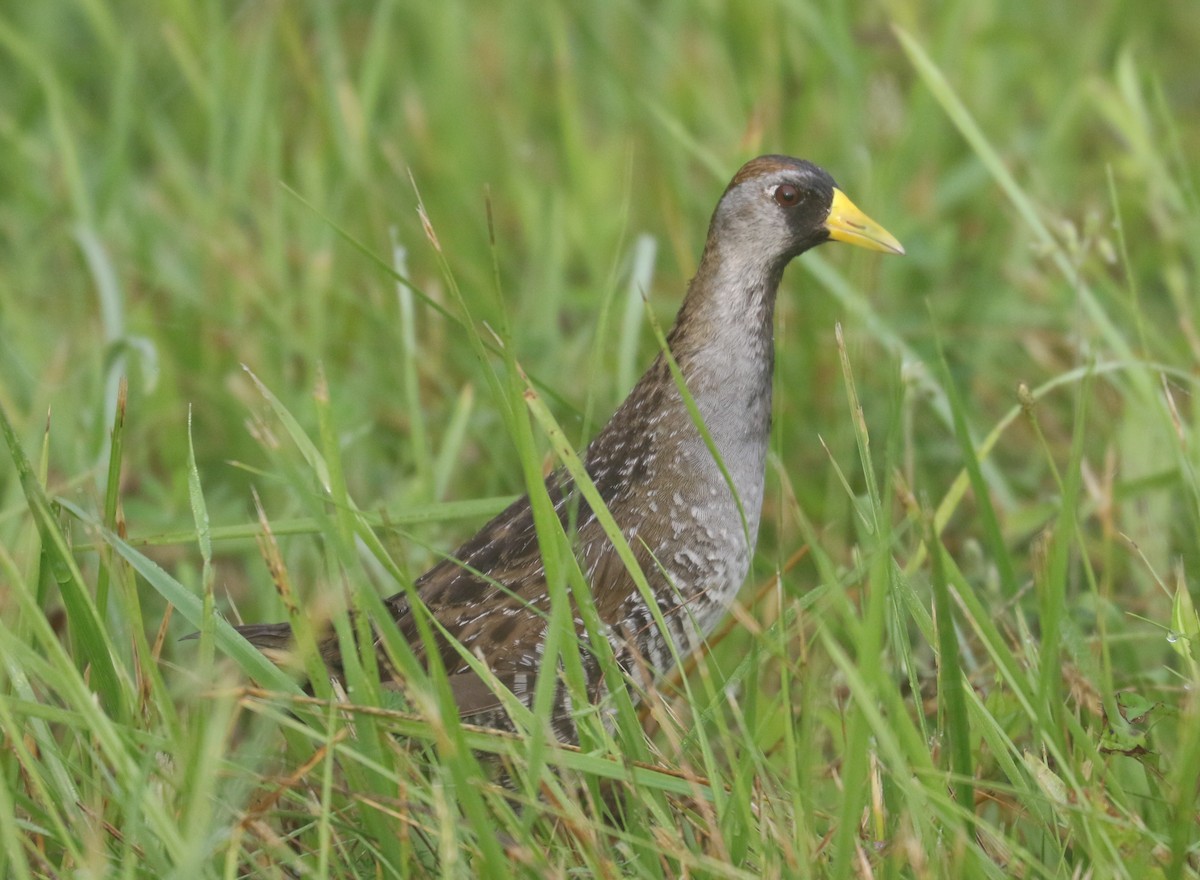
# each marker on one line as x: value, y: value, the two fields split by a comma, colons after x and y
x: 88, y: 633
x: 955, y: 723
x: 112, y: 488
x: 989, y: 522
x: 253, y: 663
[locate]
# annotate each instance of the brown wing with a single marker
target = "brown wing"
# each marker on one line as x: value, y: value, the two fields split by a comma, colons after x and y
x: 489, y: 595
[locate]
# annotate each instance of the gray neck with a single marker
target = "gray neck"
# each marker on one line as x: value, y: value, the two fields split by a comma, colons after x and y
x: 724, y: 343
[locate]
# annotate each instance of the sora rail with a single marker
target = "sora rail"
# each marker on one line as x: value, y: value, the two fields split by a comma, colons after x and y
x: 678, y: 511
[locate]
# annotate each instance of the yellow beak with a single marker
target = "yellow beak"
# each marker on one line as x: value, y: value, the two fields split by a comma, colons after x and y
x: 846, y: 223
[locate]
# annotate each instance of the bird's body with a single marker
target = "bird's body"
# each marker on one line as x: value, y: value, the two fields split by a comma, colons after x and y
x: 691, y: 518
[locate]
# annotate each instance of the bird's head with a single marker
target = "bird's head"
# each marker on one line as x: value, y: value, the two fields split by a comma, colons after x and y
x: 781, y: 207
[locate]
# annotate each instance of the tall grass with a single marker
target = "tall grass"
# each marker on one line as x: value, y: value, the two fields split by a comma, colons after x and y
x: 240, y: 372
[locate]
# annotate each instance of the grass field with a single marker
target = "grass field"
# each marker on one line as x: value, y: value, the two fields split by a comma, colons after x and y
x: 967, y: 648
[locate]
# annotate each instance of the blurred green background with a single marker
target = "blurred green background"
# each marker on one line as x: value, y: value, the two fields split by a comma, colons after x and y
x: 190, y: 187
x: 176, y: 176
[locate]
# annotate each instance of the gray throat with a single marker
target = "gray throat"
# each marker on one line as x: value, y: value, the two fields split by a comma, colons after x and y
x: 724, y: 343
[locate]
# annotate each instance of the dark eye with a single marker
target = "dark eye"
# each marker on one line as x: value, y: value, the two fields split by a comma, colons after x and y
x: 787, y: 195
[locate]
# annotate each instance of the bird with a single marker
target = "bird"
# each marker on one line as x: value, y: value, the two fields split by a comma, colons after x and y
x: 687, y: 500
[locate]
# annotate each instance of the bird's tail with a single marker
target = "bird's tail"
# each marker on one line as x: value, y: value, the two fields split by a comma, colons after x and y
x: 267, y: 636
